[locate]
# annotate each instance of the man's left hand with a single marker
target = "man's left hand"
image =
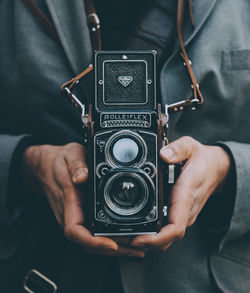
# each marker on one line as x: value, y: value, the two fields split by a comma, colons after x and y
x: 205, y: 170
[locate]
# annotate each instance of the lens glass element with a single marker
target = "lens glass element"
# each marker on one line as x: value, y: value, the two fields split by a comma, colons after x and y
x: 125, y: 150
x: 126, y: 194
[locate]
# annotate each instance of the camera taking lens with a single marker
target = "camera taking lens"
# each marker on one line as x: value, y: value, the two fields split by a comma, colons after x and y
x: 126, y: 193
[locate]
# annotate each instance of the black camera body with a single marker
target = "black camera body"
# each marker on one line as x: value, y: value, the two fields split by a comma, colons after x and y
x: 124, y: 132
x: 125, y: 197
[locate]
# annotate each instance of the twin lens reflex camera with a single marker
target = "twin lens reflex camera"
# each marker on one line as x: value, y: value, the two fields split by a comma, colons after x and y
x: 125, y: 129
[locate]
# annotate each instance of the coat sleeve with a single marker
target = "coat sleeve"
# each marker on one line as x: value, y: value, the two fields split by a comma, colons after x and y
x: 240, y: 219
x: 9, y: 147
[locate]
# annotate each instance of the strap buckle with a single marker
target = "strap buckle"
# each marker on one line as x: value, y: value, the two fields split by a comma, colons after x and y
x: 93, y: 22
x: 35, y: 282
x: 181, y: 105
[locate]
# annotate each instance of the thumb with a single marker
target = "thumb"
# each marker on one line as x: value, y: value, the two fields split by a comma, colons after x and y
x: 179, y: 150
x: 74, y: 157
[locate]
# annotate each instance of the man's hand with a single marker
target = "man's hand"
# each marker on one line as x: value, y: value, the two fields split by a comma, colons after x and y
x: 205, y: 170
x: 57, y: 171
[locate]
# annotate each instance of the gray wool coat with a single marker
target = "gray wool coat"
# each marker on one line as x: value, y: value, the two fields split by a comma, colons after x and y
x: 32, y: 68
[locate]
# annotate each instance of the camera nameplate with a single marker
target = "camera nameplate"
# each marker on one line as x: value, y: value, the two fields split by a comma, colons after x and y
x: 125, y: 119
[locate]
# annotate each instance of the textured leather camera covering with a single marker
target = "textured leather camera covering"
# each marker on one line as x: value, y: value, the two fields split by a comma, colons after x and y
x: 125, y: 80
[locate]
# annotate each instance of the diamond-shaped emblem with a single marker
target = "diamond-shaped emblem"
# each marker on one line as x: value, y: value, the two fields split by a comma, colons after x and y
x: 125, y: 80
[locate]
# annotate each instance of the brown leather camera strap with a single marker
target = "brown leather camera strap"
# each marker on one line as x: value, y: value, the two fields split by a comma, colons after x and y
x: 41, y: 18
x: 92, y: 20
x: 94, y: 26
x: 180, y: 17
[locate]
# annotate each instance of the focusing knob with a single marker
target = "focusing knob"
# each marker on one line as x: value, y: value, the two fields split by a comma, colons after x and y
x: 102, y: 169
x: 151, y: 214
x: 149, y: 168
x: 171, y: 174
x: 101, y: 215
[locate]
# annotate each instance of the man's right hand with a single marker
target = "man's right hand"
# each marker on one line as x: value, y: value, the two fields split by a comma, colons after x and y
x: 57, y: 171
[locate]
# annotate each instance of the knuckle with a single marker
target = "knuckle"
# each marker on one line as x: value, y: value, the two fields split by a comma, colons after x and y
x: 74, y: 145
x: 188, y: 145
x: 67, y: 190
x: 183, y: 144
x: 78, y: 164
x: 188, y: 140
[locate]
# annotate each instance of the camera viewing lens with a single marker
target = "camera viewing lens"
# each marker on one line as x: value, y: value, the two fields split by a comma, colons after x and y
x: 125, y: 150
x: 126, y: 194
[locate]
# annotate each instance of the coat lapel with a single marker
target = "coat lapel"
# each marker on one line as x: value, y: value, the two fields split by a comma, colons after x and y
x: 70, y: 21
x: 173, y: 71
x: 201, y: 11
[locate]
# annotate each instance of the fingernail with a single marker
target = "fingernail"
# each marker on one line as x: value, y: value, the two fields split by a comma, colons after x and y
x: 79, y: 174
x: 167, y: 153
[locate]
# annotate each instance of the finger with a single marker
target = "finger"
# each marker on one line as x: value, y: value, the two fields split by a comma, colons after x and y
x: 74, y: 229
x: 126, y: 251
x: 167, y: 235
x: 74, y: 157
x: 179, y: 150
x: 123, y: 240
x: 178, y: 218
x: 121, y: 251
x: 79, y: 234
x: 165, y: 247
x: 126, y: 242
